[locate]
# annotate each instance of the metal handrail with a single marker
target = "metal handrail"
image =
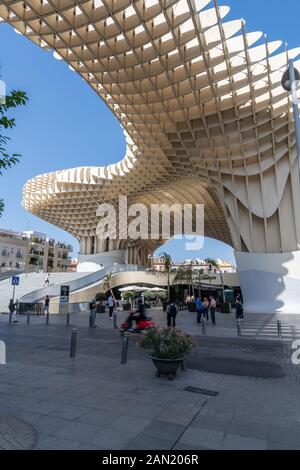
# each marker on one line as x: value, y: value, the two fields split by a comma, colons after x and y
x: 77, y: 284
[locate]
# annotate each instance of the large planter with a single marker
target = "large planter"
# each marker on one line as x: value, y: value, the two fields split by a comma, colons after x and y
x: 100, y: 309
x: 225, y: 308
x: 166, y: 367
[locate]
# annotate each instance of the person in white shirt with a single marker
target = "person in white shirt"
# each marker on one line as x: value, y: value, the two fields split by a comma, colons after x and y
x: 111, y: 304
x: 213, y: 306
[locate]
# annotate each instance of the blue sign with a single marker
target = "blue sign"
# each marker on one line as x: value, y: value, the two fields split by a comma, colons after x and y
x: 15, y: 281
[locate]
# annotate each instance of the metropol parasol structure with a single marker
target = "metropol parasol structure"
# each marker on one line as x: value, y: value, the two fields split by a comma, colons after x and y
x: 206, y: 121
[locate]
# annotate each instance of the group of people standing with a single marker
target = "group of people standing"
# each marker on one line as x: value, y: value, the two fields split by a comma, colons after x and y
x: 111, y: 304
x: 205, y: 307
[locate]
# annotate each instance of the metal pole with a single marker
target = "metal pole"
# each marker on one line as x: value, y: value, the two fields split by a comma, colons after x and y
x: 115, y: 326
x: 203, y: 326
x: 279, y: 329
x: 28, y: 318
x: 73, y: 343
x: 239, y: 327
x: 14, y: 290
x: 68, y: 319
x: 124, y: 348
x: 295, y: 107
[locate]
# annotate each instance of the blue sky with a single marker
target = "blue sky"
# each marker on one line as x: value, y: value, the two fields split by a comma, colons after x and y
x: 65, y: 125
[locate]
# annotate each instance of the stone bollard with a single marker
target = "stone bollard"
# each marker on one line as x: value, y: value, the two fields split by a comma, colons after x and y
x: 279, y: 329
x: 115, y: 326
x: 239, y: 328
x: 203, y: 326
x: 124, y: 348
x: 73, y: 343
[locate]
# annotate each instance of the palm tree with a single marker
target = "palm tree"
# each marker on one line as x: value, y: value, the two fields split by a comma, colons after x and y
x: 215, y: 264
x: 107, y: 283
x: 168, y: 270
x: 202, y: 276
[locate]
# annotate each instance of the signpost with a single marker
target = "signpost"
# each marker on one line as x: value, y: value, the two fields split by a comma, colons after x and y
x: 64, y: 299
x: 15, y: 281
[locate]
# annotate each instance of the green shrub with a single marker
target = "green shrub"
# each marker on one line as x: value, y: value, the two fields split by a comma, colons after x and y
x: 166, y: 343
x: 100, y: 297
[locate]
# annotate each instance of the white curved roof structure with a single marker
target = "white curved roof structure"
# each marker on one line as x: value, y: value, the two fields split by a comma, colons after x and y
x: 204, y: 114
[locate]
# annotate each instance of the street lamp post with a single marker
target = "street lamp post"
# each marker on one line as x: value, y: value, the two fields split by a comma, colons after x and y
x: 289, y: 83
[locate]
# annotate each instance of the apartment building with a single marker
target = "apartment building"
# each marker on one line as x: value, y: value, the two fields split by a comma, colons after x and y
x: 33, y: 251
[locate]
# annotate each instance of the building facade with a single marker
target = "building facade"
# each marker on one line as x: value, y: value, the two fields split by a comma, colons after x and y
x: 33, y: 251
x: 195, y: 265
x: 13, y: 250
x: 206, y: 121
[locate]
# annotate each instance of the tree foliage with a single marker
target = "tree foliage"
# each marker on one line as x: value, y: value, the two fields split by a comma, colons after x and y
x: 13, y: 100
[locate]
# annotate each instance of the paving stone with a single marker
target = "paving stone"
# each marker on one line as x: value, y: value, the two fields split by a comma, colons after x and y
x: 99, y: 417
x: 178, y: 414
x: 16, y: 434
x: 164, y: 430
x: 214, y: 423
x: 249, y: 429
x: 235, y: 442
x: 130, y: 423
x: 52, y: 443
x: 145, y: 442
x: 80, y: 432
x: 273, y: 445
x: 284, y: 434
x: 112, y: 438
x: 208, y: 439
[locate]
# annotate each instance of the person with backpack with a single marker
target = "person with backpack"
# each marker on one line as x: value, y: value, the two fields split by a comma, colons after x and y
x: 93, y: 313
x: 171, y: 314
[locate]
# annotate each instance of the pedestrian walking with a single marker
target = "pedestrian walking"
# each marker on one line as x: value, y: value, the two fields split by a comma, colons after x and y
x: 206, y: 308
x: 111, y: 305
x: 47, y: 280
x: 46, y: 305
x: 12, y: 310
x: 93, y: 314
x: 213, y: 306
x: 199, y: 309
x: 239, y: 307
x: 171, y: 314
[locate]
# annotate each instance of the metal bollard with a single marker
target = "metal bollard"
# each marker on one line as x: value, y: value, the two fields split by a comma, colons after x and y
x: 73, y: 343
x: 10, y: 317
x: 28, y: 318
x: 183, y: 366
x: 68, y: 320
x: 239, y: 327
x: 47, y: 318
x: 115, y: 326
x: 203, y: 326
x: 124, y: 348
x: 279, y: 329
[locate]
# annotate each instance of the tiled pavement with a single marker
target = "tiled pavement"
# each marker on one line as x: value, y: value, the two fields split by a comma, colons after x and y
x: 94, y: 402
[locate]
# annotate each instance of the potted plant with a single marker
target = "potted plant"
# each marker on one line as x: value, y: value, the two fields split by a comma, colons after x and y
x: 128, y: 297
x: 100, y: 298
x: 168, y: 348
